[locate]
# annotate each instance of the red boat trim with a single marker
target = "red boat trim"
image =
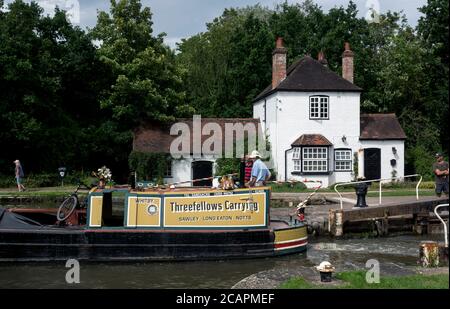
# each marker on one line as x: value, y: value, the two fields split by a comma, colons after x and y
x: 291, y: 244
x: 169, y: 231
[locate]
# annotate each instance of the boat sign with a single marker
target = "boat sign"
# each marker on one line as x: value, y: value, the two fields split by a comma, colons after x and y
x: 241, y: 209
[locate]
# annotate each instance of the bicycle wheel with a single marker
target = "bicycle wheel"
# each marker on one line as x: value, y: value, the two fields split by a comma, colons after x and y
x: 66, y: 208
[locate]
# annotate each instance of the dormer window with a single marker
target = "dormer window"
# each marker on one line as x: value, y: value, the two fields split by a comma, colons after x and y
x: 319, y: 107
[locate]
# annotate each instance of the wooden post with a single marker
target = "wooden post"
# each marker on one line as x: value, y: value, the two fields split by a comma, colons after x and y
x: 429, y: 254
x: 336, y: 224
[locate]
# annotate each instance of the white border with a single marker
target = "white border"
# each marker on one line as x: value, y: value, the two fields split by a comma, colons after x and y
x: 90, y: 211
x: 143, y: 225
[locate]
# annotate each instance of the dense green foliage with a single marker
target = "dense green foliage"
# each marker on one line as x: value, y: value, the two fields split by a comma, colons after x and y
x: 72, y: 97
x: 149, y: 166
x: 50, y: 79
x: 47, y: 180
x: 66, y: 101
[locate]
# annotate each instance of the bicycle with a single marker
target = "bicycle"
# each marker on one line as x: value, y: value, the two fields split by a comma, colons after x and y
x: 72, y: 202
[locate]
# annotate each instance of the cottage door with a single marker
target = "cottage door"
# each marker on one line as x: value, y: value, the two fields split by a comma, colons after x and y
x: 202, y: 169
x: 372, y: 163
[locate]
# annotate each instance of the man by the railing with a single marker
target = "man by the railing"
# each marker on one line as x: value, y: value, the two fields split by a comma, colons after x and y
x: 440, y: 169
x: 260, y: 173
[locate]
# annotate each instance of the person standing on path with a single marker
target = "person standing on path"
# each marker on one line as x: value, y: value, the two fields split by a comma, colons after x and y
x: 19, y: 175
x: 440, y: 170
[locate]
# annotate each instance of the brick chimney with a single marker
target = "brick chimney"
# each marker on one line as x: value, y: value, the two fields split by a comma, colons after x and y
x: 278, y: 63
x: 321, y: 58
x: 347, y: 63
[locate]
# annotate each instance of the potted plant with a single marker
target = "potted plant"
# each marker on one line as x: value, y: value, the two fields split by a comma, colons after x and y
x: 104, y: 175
x: 326, y: 270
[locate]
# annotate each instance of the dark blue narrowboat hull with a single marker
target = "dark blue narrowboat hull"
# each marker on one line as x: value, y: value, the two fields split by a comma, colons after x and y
x: 52, y: 244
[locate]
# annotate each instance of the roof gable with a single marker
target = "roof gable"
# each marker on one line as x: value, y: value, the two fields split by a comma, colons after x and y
x: 308, y: 74
x: 156, y: 138
x: 311, y: 140
x: 380, y: 127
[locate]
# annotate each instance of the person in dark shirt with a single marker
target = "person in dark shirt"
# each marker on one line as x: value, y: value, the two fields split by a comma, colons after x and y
x: 440, y: 170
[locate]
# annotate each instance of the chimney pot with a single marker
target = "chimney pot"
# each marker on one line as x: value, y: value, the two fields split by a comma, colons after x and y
x: 280, y: 43
x: 347, y: 46
x: 321, y: 58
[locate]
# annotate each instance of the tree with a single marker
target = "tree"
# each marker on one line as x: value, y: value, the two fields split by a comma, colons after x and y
x: 433, y: 30
x: 49, y: 79
x: 228, y: 65
x: 147, y: 83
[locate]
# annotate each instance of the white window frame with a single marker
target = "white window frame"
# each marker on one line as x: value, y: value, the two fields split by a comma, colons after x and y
x: 319, y: 107
x: 315, y: 159
x: 297, y: 159
x: 343, y: 156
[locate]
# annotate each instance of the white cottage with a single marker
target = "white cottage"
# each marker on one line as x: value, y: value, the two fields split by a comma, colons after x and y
x: 206, y: 138
x: 314, y: 124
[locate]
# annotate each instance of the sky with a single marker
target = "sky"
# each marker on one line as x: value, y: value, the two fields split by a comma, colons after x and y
x: 183, y: 18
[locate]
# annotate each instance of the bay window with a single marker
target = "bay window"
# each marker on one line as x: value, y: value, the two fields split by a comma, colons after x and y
x: 315, y: 159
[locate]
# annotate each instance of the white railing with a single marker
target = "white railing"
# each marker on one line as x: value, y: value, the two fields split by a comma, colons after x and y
x: 380, y: 181
x: 443, y: 222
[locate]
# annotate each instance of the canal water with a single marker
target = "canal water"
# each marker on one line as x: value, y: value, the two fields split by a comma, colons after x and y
x: 392, y: 253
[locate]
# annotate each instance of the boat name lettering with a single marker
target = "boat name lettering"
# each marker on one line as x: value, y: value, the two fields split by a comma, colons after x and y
x: 205, y: 206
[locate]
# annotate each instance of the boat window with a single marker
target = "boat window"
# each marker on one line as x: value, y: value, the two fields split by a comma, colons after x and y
x: 112, y: 212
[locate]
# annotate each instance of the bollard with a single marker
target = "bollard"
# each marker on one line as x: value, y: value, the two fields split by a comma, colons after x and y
x: 429, y: 254
x: 361, y: 192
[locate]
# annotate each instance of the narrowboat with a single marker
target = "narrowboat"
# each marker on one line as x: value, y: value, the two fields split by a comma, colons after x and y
x: 189, y: 223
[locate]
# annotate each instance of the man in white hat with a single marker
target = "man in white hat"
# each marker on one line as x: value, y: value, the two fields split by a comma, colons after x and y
x: 260, y: 173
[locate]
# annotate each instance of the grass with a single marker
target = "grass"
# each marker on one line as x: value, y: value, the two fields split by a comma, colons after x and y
x: 297, y: 283
x: 402, y: 192
x: 277, y: 188
x: 40, y: 192
x: 404, y: 188
x: 47, y: 192
x: 386, y: 191
x: 357, y: 280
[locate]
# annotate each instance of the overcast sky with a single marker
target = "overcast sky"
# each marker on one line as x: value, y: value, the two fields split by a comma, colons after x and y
x: 183, y: 18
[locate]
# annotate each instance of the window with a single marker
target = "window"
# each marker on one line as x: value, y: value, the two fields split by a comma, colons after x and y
x: 318, y: 107
x: 168, y: 172
x: 315, y: 159
x: 296, y: 157
x: 343, y: 160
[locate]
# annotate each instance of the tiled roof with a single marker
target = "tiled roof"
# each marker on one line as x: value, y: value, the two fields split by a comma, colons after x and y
x: 311, y: 140
x: 381, y: 127
x: 156, y: 138
x: 308, y: 74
